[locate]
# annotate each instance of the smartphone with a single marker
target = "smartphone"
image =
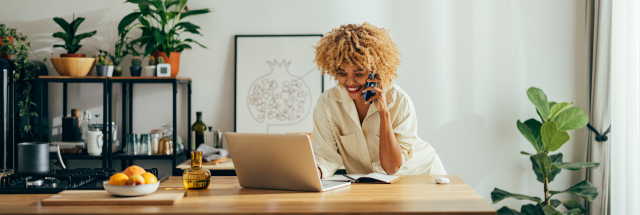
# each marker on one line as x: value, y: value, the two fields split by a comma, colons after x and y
x: 371, y: 93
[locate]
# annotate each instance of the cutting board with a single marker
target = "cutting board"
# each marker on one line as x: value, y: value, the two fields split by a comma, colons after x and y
x: 163, y: 196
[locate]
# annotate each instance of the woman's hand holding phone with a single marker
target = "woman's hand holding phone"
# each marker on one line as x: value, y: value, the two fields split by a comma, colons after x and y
x: 378, y: 99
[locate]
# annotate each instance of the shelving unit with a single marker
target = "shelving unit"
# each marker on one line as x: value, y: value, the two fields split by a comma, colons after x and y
x: 127, y: 83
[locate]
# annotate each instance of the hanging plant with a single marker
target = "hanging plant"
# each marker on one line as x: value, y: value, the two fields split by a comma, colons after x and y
x: 25, y: 75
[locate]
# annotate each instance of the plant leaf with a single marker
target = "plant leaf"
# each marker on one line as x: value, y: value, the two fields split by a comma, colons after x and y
x: 541, y: 164
x: 168, y: 3
x: 571, y: 204
x: 531, y: 209
x: 62, y: 23
x: 572, y: 118
x: 574, y: 165
x: 140, y: 2
x: 552, y: 137
x: 61, y: 35
x: 550, y: 210
x: 127, y: 20
x: 73, y: 26
x: 583, y: 189
x: 525, y: 153
x: 504, y: 210
x: 530, y: 129
x: 82, y: 36
x: 557, y: 109
x: 539, y: 99
x: 194, y: 12
x: 498, y: 195
x: 554, y: 202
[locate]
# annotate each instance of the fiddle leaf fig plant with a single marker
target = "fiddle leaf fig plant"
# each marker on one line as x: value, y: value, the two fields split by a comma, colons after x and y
x: 71, y: 40
x: 546, y: 136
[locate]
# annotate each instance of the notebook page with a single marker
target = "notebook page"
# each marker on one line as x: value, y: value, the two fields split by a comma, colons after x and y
x: 381, y: 177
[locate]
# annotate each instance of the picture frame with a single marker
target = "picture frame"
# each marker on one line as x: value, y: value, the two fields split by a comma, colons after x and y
x: 277, y: 83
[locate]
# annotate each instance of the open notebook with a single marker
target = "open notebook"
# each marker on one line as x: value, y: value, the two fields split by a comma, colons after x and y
x: 362, y: 178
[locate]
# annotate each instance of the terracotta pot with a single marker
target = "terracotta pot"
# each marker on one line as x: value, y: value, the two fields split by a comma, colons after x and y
x: 73, y: 66
x: 73, y: 55
x: 4, y: 54
x: 173, y: 60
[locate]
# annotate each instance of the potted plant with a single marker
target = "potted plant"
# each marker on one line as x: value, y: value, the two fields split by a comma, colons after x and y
x: 135, y: 68
x: 161, y: 24
x: 24, y: 77
x: 151, y: 68
x: 121, y: 50
x: 104, y: 67
x: 548, y: 135
x: 72, y: 63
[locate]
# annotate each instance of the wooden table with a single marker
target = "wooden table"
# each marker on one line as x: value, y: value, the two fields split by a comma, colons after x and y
x: 226, y: 165
x: 411, y: 195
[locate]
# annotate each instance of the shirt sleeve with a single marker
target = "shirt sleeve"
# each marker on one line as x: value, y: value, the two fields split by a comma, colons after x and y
x: 405, y: 127
x: 325, y: 147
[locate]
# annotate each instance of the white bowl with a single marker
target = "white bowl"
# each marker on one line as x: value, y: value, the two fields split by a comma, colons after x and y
x: 130, y: 190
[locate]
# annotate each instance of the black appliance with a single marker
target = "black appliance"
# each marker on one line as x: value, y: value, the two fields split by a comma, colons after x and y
x: 58, y: 180
x: 10, y: 91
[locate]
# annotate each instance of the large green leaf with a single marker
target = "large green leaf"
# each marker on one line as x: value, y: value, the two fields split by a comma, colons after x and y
x: 539, y: 99
x: 552, y: 137
x: 504, y: 210
x: 541, y: 164
x: 79, y: 37
x: 62, y: 23
x: 571, y: 204
x: 530, y: 129
x: 127, y: 20
x: 525, y: 153
x: 558, y: 108
x: 583, y: 189
x: 554, y: 202
x: 574, y: 165
x: 194, y: 12
x: 550, y: 210
x: 572, y: 118
x: 531, y: 209
x: 169, y: 3
x: 498, y: 195
x: 140, y: 2
x: 61, y: 35
x: 73, y: 26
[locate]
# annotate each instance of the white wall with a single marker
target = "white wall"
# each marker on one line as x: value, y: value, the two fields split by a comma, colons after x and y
x: 466, y: 65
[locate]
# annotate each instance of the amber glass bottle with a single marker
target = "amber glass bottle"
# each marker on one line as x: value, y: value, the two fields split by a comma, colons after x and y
x: 196, y: 177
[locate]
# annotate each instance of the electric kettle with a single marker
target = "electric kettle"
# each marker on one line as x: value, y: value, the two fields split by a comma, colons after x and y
x: 33, y: 158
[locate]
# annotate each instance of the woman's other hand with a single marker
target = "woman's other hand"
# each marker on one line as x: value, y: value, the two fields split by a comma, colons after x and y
x: 379, y: 99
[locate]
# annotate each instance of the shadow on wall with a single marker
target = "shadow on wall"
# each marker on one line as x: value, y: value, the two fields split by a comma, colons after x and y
x: 480, y: 139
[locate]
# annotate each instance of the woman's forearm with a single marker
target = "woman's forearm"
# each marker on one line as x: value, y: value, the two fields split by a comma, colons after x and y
x: 390, y: 152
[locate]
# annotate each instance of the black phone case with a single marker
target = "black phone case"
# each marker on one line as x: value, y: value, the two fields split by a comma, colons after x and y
x: 371, y: 93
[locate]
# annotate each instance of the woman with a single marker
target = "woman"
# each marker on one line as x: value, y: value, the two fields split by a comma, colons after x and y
x: 349, y: 131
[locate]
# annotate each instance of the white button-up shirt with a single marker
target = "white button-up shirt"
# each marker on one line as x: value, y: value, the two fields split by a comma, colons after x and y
x: 340, y: 140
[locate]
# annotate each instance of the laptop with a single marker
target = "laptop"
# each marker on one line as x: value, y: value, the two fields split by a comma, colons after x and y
x: 276, y: 161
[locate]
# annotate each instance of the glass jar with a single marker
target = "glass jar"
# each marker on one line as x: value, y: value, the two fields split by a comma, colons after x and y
x: 196, y: 177
x: 131, y: 146
x: 145, y: 145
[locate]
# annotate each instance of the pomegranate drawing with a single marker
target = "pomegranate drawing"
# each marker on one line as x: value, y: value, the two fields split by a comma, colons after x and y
x: 279, y: 97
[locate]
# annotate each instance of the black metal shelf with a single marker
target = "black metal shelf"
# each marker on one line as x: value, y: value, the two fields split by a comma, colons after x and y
x: 127, y: 83
x: 82, y: 157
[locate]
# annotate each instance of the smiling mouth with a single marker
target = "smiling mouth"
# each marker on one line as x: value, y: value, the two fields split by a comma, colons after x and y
x: 353, y: 89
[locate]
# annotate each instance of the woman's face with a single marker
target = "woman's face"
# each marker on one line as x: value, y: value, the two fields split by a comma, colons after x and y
x: 353, y: 79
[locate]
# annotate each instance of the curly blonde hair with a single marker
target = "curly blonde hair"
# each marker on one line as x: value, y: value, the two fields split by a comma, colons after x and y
x: 364, y: 46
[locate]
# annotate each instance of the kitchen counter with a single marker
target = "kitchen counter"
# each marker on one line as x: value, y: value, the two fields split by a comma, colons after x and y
x: 411, y: 194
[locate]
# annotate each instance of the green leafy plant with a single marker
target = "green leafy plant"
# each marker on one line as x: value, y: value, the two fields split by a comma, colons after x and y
x: 546, y: 136
x: 25, y: 75
x: 161, y: 24
x: 71, y: 40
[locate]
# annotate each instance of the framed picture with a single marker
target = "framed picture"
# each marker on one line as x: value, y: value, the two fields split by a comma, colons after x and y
x: 277, y: 83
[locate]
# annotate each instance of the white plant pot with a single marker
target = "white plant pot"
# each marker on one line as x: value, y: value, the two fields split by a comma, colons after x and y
x: 150, y: 70
x: 110, y: 71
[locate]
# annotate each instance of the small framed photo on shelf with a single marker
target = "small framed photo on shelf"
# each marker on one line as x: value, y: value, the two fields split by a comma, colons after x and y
x: 163, y: 70
x: 277, y: 83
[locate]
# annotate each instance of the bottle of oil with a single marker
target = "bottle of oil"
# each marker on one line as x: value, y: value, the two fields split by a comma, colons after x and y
x: 198, y: 132
x: 196, y: 177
